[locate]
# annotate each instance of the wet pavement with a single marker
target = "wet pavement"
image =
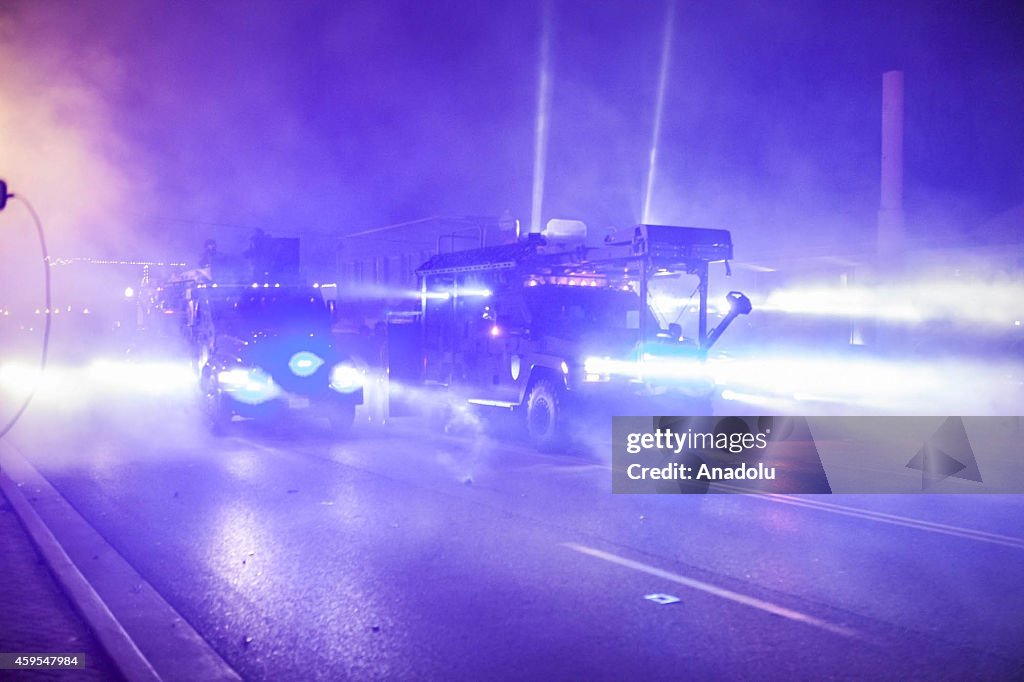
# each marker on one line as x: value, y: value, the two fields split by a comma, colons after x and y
x: 404, y: 553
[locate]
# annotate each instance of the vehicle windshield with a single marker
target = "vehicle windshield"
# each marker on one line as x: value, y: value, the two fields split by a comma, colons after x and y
x: 574, y: 311
x: 275, y: 311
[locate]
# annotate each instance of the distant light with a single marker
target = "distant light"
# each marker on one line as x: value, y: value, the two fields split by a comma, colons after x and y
x: 532, y: 283
x: 277, y: 285
x: 1016, y: 323
x: 316, y: 285
x: 214, y: 285
x: 266, y: 285
x: 255, y: 285
x: 565, y: 367
x: 129, y: 292
x: 85, y: 311
x: 495, y: 331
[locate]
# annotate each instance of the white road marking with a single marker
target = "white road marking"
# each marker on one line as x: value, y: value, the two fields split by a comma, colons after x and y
x: 894, y: 519
x: 881, y: 517
x: 714, y: 590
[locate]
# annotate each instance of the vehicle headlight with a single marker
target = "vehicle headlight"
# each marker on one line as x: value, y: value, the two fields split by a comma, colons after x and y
x: 597, y: 370
x: 346, y: 378
x: 251, y: 386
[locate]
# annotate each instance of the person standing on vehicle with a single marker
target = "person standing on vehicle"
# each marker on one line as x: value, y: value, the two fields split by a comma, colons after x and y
x: 209, y: 254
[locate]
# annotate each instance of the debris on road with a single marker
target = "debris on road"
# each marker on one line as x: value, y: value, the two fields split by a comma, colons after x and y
x: 659, y: 598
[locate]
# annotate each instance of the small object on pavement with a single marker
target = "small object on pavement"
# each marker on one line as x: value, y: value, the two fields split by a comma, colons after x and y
x: 663, y: 599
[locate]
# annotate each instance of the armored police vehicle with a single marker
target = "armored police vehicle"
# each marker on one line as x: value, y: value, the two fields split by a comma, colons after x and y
x: 555, y: 333
x: 263, y: 349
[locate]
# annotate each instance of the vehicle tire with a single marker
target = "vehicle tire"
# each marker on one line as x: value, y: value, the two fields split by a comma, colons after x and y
x: 215, y: 408
x: 342, y: 418
x: 545, y: 416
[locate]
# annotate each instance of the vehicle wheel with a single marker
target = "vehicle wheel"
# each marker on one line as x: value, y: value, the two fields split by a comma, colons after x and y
x: 545, y: 416
x: 215, y: 408
x: 342, y: 417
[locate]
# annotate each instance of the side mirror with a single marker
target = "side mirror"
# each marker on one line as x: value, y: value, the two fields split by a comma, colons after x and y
x: 3, y: 195
x: 675, y: 330
x: 738, y: 303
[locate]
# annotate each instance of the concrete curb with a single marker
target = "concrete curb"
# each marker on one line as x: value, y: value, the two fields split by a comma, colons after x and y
x: 112, y: 637
x: 180, y: 654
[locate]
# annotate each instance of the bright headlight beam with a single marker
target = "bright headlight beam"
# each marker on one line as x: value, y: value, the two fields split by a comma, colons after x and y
x: 70, y: 384
x: 905, y: 386
x: 251, y: 386
x: 972, y: 303
x: 346, y: 378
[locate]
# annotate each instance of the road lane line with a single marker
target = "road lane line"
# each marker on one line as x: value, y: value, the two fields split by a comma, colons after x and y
x: 714, y: 590
x: 868, y: 515
x: 894, y: 519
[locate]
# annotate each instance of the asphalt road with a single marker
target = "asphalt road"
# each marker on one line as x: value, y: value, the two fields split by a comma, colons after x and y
x: 407, y: 553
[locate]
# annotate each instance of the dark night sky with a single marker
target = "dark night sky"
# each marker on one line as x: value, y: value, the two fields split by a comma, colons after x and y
x: 341, y: 116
